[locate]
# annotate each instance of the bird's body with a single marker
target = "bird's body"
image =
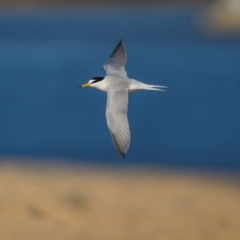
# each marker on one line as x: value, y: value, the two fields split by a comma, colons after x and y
x: 117, y: 85
x: 131, y: 85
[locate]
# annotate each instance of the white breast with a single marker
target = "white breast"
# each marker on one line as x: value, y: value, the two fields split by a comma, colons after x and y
x: 101, y: 85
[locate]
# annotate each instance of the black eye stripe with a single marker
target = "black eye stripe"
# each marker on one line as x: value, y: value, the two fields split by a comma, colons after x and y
x: 97, y: 79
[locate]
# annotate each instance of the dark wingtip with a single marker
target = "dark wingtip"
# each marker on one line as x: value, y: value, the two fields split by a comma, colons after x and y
x: 121, y: 153
x: 117, y: 47
x: 116, y: 144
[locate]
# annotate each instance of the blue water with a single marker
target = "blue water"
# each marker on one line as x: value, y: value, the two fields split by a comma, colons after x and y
x: 46, y: 55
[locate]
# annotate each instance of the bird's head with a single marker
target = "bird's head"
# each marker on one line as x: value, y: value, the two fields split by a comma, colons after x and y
x: 94, y: 82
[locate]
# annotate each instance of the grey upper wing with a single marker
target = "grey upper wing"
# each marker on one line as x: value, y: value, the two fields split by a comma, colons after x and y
x: 115, y: 64
x: 116, y: 113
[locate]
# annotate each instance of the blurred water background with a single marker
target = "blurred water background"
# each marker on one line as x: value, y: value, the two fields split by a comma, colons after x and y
x: 46, y: 54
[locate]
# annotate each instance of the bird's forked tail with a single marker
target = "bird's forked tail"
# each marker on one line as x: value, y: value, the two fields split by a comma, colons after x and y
x: 154, y: 87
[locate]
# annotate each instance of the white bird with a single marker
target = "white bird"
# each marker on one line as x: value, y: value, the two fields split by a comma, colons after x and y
x: 117, y: 85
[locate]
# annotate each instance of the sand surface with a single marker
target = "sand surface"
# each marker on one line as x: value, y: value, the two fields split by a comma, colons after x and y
x: 80, y: 203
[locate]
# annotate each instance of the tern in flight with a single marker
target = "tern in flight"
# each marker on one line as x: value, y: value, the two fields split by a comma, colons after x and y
x: 117, y: 85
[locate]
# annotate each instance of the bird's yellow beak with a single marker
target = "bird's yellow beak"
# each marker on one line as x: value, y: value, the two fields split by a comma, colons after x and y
x: 85, y: 85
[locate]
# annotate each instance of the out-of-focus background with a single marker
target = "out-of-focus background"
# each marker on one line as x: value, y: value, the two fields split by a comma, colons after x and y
x: 61, y: 177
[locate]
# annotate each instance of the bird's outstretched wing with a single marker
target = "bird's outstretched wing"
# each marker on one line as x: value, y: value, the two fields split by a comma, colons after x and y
x: 116, y: 113
x: 114, y: 66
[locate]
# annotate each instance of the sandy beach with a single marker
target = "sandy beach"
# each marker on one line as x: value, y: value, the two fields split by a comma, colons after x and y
x: 74, y: 202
